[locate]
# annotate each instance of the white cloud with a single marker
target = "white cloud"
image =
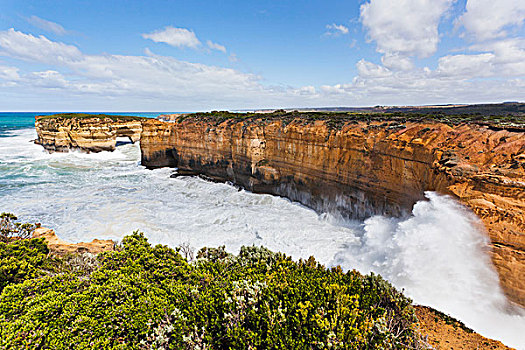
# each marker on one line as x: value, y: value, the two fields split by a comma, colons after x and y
x: 148, y: 77
x: 395, y: 61
x: 47, y: 25
x: 304, y: 91
x: 503, y: 58
x: 215, y: 46
x: 49, y: 79
x: 490, y: 19
x: 376, y: 85
x: 404, y: 27
x: 112, y: 82
x: 9, y: 73
x: 178, y: 37
x: 30, y: 48
x: 336, y: 29
x: 161, y: 76
x: 371, y: 70
x: 509, y: 56
x: 466, y: 66
x: 492, y: 25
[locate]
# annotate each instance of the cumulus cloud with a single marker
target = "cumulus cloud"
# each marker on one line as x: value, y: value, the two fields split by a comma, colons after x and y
x: 404, y: 27
x: 336, y: 29
x: 371, y: 70
x: 215, y: 46
x: 47, y: 25
x: 30, y: 48
x: 466, y: 66
x: 396, y: 61
x: 509, y: 56
x: 489, y: 19
x: 405, y: 30
x: 178, y: 37
x: 505, y: 58
x: 376, y: 84
x: 304, y: 91
x: 49, y: 79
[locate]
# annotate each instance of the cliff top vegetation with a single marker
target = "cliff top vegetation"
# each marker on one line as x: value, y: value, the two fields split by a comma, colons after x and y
x: 337, y: 119
x: 89, y: 116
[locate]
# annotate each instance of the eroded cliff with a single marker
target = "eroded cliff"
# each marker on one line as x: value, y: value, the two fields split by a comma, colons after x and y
x: 60, y: 247
x: 89, y: 133
x: 361, y: 167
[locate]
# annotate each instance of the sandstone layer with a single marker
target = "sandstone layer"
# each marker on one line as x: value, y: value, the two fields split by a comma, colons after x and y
x: 360, y: 168
x: 88, y: 134
x: 60, y: 247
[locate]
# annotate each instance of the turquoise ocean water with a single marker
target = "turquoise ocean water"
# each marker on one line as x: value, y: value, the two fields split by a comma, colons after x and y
x: 437, y: 255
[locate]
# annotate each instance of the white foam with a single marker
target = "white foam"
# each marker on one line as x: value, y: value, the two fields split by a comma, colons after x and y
x: 438, y: 255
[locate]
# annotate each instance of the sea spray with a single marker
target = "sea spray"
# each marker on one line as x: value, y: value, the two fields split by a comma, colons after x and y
x: 438, y: 254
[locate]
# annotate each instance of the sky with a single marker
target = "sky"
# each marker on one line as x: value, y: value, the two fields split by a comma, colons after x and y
x: 162, y: 55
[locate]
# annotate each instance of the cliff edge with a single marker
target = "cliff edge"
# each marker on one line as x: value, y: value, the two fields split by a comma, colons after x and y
x: 60, y: 247
x: 363, y: 165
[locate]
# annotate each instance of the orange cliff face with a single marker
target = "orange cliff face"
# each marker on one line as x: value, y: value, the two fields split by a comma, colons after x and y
x: 92, y: 134
x: 60, y: 247
x: 363, y: 168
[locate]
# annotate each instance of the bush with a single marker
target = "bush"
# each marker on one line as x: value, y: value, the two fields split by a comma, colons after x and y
x: 11, y: 230
x: 145, y: 297
x: 21, y: 260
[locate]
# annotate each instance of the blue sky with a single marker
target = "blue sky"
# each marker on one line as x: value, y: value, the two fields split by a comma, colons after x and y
x: 200, y: 55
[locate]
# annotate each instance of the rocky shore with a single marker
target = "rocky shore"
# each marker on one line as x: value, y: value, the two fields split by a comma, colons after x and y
x: 358, y: 165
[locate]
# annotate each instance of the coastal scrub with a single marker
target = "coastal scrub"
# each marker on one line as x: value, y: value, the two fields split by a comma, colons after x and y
x: 149, y: 297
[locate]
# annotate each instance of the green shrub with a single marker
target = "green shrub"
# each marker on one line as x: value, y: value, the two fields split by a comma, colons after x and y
x: 21, y: 260
x: 145, y: 297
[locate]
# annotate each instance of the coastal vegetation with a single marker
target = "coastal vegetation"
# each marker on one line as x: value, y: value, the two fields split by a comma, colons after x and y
x: 397, y: 118
x: 154, y: 297
x: 10, y: 229
x: 509, y: 116
x: 91, y: 115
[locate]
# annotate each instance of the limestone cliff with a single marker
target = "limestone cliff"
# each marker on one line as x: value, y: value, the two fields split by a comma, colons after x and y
x: 363, y: 166
x: 89, y: 133
x: 60, y: 247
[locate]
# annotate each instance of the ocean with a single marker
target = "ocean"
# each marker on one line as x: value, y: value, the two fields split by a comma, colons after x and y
x: 437, y: 255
